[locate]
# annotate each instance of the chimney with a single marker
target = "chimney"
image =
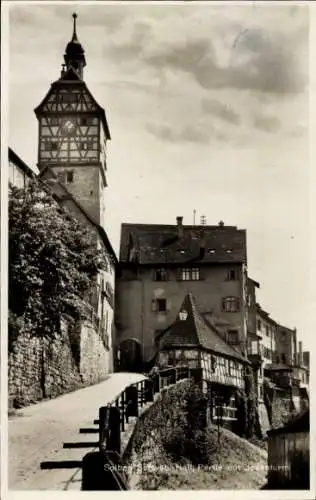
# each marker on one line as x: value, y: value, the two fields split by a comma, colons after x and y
x: 295, y: 345
x: 180, y: 227
x: 221, y: 223
x: 202, y: 244
x: 300, y: 352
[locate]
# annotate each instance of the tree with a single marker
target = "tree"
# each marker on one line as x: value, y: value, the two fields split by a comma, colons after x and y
x: 52, y: 261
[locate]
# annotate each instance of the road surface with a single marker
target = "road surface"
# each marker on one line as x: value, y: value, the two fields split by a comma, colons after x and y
x: 38, y: 433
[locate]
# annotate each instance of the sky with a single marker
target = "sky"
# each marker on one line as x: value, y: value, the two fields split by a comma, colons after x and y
x: 208, y: 108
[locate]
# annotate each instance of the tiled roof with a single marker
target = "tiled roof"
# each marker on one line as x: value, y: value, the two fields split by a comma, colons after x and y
x: 16, y: 160
x: 164, y: 244
x: 194, y: 332
x: 277, y: 367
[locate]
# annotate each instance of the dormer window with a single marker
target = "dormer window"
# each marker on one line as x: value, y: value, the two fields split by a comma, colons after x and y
x: 212, y: 250
x: 183, y: 315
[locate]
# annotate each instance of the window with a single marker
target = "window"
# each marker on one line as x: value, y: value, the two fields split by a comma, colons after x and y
x: 260, y: 392
x: 51, y: 145
x: 232, y: 336
x: 230, y: 304
x: 231, y: 367
x: 86, y: 145
x: 184, y: 274
x: 171, y: 358
x: 69, y: 97
x: 231, y: 274
x: 53, y: 121
x: 159, y: 305
x: 86, y: 120
x: 160, y: 275
x: 187, y: 274
x: 259, y: 325
x: 267, y: 353
x: 283, y: 358
x: 69, y: 177
x: 195, y: 274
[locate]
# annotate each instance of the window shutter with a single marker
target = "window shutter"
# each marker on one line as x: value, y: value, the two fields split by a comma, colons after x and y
x: 168, y: 305
x: 154, y: 305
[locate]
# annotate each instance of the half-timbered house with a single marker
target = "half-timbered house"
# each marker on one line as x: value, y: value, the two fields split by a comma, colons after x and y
x: 194, y: 342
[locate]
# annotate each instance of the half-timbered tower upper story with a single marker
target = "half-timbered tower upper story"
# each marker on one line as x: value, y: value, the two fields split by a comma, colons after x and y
x: 73, y: 133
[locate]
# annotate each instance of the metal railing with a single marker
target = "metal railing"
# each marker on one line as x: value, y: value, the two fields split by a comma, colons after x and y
x: 114, y: 417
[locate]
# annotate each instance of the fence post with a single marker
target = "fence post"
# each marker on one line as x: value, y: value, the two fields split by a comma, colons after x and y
x: 114, y: 438
x: 157, y: 384
x: 131, y: 402
x: 149, y: 390
x: 104, y: 416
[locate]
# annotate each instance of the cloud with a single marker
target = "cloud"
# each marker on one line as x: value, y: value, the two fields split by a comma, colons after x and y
x: 269, y: 57
x: 187, y: 133
x: 259, y: 61
x: 136, y: 43
x: 220, y: 110
x: 202, y: 134
x: 266, y: 123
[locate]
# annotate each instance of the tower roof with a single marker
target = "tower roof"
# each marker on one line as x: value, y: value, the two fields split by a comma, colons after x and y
x: 190, y: 330
x: 74, y: 46
x: 74, y: 50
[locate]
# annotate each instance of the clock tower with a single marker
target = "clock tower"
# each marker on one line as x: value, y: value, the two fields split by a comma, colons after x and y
x: 73, y: 133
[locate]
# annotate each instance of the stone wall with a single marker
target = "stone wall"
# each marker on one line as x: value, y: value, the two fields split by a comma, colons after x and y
x: 95, y: 360
x: 39, y: 369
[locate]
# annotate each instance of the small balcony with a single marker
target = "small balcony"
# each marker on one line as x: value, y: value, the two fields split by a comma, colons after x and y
x: 254, y: 353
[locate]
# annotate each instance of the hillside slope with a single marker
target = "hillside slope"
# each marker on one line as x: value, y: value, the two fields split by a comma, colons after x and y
x: 233, y: 463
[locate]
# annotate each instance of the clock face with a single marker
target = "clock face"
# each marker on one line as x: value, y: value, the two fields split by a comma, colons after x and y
x: 69, y: 126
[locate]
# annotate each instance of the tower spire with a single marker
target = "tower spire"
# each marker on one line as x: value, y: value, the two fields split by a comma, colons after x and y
x: 74, y: 55
x: 74, y: 35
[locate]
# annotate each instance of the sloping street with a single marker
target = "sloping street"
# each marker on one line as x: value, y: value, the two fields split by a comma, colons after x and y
x: 38, y: 433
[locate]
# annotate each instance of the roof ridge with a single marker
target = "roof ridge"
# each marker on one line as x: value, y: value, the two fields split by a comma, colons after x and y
x: 195, y: 314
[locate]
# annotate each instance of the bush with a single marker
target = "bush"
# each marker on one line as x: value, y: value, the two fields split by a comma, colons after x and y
x: 52, y: 260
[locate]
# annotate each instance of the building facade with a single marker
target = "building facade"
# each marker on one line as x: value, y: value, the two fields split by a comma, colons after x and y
x: 160, y: 264
x: 20, y: 174
x: 73, y: 133
x: 192, y: 341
